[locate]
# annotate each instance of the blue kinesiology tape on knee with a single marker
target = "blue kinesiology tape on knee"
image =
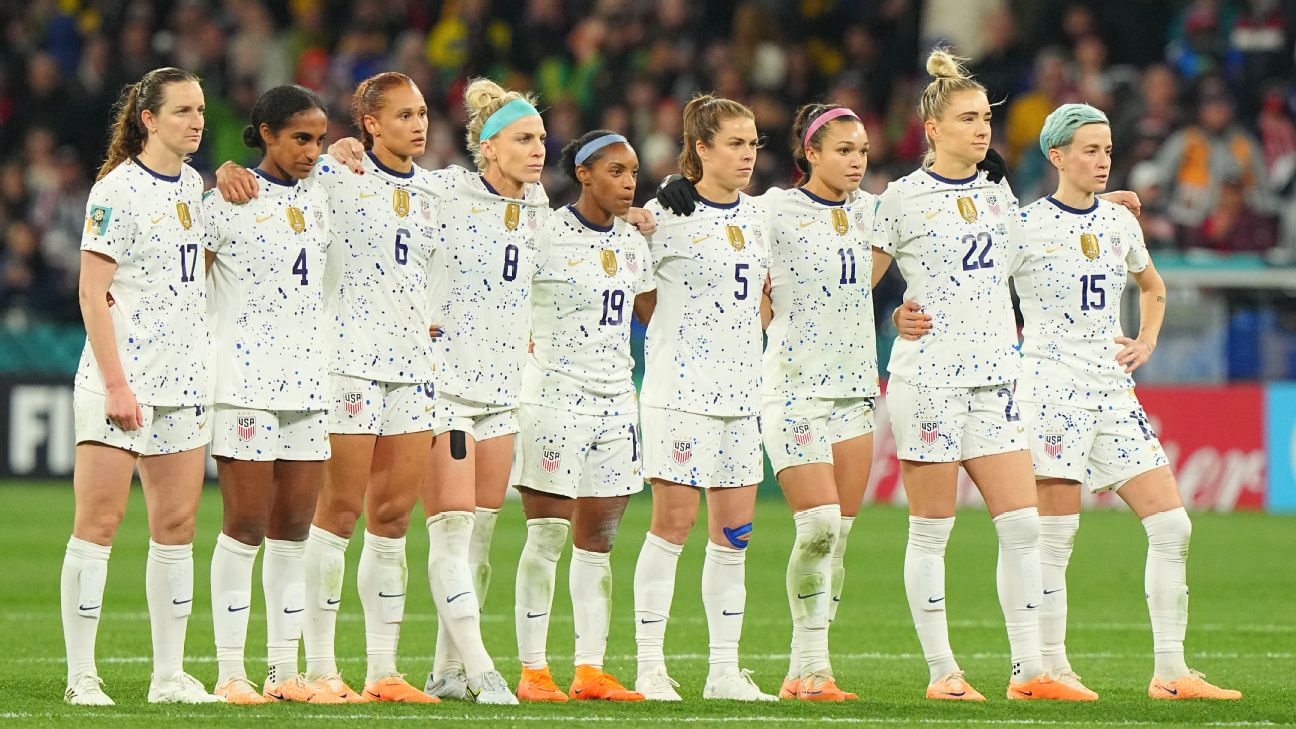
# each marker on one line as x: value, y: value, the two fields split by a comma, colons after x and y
x: 736, y: 536
x: 458, y: 445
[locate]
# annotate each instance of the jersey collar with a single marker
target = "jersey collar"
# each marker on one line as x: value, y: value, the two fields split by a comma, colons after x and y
x: 272, y: 179
x: 821, y: 200
x: 581, y: 219
x: 157, y: 175
x: 401, y: 175
x: 950, y: 180
x: 1074, y: 211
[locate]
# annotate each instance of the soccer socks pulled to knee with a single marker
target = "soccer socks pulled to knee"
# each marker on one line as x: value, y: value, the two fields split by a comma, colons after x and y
x: 654, y: 589
x: 168, y: 586
x: 724, y: 597
x: 282, y: 581
x: 453, y: 591
x: 839, y: 564
x: 381, y: 580
x: 924, y: 577
x: 809, y: 585
x: 81, y: 589
x: 1166, y: 585
x: 231, y: 602
x: 325, y: 564
x: 536, y: 574
x: 590, y: 583
x: 447, y: 658
x: 1057, y: 535
x: 1020, y: 590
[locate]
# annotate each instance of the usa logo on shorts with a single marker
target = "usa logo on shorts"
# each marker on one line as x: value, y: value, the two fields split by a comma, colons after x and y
x: 353, y: 402
x: 929, y: 432
x: 683, y: 452
x: 245, y: 427
x: 550, y: 460
x: 801, y: 432
x: 1053, y: 444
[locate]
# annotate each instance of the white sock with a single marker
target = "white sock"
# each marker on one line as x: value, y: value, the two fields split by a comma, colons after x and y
x: 654, y: 588
x: 536, y: 574
x: 452, y: 588
x: 283, y: 582
x: 924, y: 577
x: 1057, y: 535
x: 809, y: 584
x: 81, y: 589
x: 168, y: 586
x: 1165, y: 581
x: 325, y: 565
x: 381, y: 580
x: 590, y: 583
x: 839, y: 564
x: 231, y: 601
x: 1020, y: 590
x: 724, y: 597
x: 447, y: 659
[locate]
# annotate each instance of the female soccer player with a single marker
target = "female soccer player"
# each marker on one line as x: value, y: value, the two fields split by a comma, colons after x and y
x: 951, y: 393
x: 578, y: 460
x: 701, y: 395
x: 270, y: 419
x: 819, y: 371
x: 1077, y: 392
x: 141, y: 387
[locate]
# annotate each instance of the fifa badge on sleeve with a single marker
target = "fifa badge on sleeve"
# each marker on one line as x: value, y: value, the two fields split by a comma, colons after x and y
x: 97, y: 221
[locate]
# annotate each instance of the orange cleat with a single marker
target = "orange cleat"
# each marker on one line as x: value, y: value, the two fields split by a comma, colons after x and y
x: 396, y: 688
x: 790, y: 688
x: 1191, y: 685
x: 239, y: 691
x: 331, y: 684
x: 1045, y: 687
x: 537, y: 685
x: 591, y: 683
x: 820, y: 687
x: 298, y: 690
x: 953, y: 687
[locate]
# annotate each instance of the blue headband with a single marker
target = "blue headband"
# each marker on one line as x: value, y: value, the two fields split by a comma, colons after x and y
x: 504, y: 116
x: 596, y: 144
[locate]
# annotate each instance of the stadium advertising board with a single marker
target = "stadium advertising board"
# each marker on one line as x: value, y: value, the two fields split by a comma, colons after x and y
x: 1280, y: 433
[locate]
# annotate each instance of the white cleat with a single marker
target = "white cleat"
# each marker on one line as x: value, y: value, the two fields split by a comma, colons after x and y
x: 87, y: 690
x: 180, y: 688
x: 656, y: 685
x: 453, y: 685
x: 735, y: 687
x: 489, y: 687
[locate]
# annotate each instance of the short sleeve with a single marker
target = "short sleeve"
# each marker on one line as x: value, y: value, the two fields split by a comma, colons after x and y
x: 887, y: 221
x: 213, y: 213
x: 1013, y: 204
x: 1136, y: 258
x: 109, y: 227
x: 1018, y: 243
x: 645, y: 281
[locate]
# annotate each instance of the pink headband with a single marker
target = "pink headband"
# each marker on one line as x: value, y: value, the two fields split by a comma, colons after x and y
x: 823, y: 119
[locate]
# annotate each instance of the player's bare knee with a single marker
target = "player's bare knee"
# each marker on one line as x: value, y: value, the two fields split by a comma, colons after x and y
x: 388, y: 520
x: 289, y: 527
x: 172, y: 528
x: 247, y: 531
x: 99, y: 526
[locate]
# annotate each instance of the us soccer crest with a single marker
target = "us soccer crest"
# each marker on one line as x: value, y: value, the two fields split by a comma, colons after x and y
x: 608, y: 258
x: 992, y: 202
x: 1053, y: 444
x: 532, y: 220
x: 319, y: 218
x: 735, y: 236
x: 929, y: 431
x: 682, y: 452
x: 801, y: 432
x: 182, y: 212
x: 97, y: 221
x: 841, y: 223
x: 425, y: 207
x: 245, y: 427
x: 1089, y: 246
x: 1116, y: 246
x: 967, y: 208
x: 512, y: 215
x: 401, y: 201
x: 550, y: 460
x: 632, y: 261
x: 353, y: 403
x: 296, y: 220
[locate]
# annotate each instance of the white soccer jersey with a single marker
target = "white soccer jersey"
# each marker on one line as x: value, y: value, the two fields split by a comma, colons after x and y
x: 583, y: 293
x: 385, y: 227
x: 1070, y: 280
x: 266, y: 301
x: 952, y: 242
x: 151, y: 225
x: 483, y: 287
x: 821, y: 341
x: 703, y: 348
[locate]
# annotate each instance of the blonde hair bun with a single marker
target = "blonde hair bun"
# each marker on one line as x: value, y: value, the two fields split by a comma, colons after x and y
x: 480, y: 94
x: 943, y: 64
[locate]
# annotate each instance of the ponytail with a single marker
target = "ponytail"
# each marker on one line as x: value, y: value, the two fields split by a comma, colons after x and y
x: 128, y: 131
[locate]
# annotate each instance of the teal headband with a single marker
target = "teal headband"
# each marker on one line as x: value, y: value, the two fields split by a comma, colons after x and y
x: 506, y: 115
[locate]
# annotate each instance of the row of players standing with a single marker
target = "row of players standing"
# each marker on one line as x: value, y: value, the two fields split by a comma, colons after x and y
x: 577, y: 418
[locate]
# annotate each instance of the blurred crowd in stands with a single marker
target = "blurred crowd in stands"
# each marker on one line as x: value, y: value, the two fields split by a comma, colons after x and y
x: 1200, y: 93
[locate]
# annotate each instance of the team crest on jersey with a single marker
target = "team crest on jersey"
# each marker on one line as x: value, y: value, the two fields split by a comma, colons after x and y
x: 682, y: 452
x: 1053, y: 444
x: 992, y: 202
x: 512, y: 215
x: 319, y: 218
x: 801, y: 432
x: 550, y: 460
x: 632, y: 261
x: 296, y: 220
x: 532, y: 219
x: 353, y: 403
x: 401, y: 201
x: 97, y: 220
x: 182, y: 212
x: 967, y: 208
x: 425, y: 207
x: 1116, y: 248
x: 735, y: 236
x: 841, y: 223
x: 929, y: 431
x: 1089, y: 246
x: 608, y: 258
x: 245, y: 427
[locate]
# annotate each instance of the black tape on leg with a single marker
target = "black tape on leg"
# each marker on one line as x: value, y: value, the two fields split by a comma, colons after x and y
x: 458, y: 445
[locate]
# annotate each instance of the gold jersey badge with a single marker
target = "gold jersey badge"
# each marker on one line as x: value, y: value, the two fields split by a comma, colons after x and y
x: 735, y: 236
x: 840, y: 222
x: 182, y: 212
x: 967, y: 208
x: 512, y: 214
x: 296, y: 220
x: 608, y: 258
x: 1089, y: 246
x: 401, y: 201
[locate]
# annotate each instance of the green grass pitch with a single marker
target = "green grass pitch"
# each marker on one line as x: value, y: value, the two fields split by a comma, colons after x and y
x: 1242, y: 631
